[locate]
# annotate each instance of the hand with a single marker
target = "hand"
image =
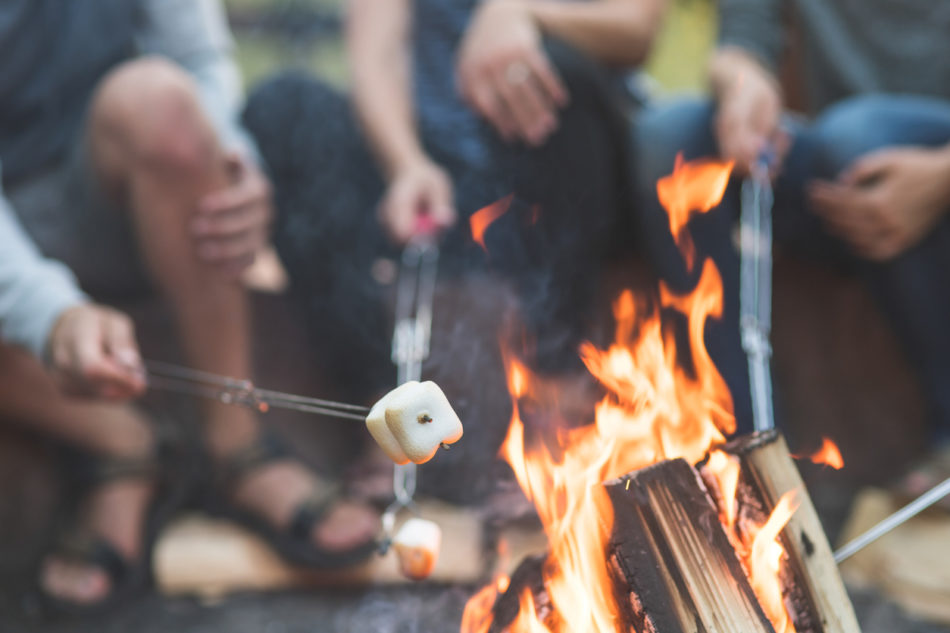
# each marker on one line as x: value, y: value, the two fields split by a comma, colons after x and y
x: 749, y: 110
x: 418, y: 200
x: 886, y: 201
x: 505, y: 76
x: 93, y: 352
x: 232, y: 225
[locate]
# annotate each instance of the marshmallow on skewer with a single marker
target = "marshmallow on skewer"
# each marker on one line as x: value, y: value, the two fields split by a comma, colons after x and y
x: 417, y: 545
x: 412, y: 421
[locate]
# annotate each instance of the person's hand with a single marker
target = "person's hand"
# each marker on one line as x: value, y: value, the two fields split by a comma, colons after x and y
x: 749, y: 110
x: 886, y: 201
x: 418, y: 200
x: 505, y: 76
x: 233, y: 224
x: 93, y: 352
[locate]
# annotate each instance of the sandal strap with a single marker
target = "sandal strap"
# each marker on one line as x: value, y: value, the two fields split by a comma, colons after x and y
x: 96, y: 552
x: 266, y: 449
x: 312, y: 509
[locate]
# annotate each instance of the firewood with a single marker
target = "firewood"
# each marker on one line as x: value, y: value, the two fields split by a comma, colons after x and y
x: 673, y: 565
x: 813, y: 585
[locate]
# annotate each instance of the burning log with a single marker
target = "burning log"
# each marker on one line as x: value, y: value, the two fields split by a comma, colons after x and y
x: 674, y: 568
x: 812, y: 586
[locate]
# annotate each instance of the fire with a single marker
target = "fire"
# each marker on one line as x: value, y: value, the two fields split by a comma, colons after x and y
x: 655, y: 408
x: 726, y: 469
x: 694, y: 187
x: 483, y: 218
x: 827, y: 455
x: 477, y: 617
x: 764, y: 563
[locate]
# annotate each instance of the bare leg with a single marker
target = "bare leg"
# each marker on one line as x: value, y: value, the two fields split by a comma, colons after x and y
x: 113, y: 511
x: 154, y: 148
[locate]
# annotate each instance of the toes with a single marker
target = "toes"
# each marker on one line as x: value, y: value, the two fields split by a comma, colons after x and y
x: 81, y: 584
x: 346, y: 526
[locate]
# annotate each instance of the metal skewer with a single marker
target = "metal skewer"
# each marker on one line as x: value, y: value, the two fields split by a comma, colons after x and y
x: 242, y: 392
x: 897, y: 519
x: 411, y: 337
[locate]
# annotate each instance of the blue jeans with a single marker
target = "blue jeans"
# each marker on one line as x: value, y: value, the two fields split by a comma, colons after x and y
x: 913, y: 288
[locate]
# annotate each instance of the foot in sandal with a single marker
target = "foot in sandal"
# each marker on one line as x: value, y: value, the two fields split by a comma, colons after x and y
x: 306, y: 518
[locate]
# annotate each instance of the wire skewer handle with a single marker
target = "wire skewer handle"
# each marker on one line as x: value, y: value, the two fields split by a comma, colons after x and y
x: 242, y: 392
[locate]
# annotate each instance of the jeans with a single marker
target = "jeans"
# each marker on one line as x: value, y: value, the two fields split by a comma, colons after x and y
x: 912, y: 288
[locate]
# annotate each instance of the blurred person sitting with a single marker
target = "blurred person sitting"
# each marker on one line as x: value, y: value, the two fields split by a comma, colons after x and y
x: 864, y: 179
x: 124, y: 170
x: 455, y: 104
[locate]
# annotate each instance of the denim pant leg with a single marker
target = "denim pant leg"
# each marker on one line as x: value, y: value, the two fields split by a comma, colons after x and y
x: 913, y: 288
x: 660, y: 133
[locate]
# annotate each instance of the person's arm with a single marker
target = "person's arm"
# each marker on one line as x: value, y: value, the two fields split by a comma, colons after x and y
x: 378, y: 43
x: 42, y: 309
x: 618, y: 32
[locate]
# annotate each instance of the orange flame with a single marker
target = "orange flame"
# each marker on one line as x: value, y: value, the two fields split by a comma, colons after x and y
x: 477, y: 617
x: 764, y: 563
x: 655, y: 409
x: 827, y: 455
x: 483, y: 218
x: 726, y: 470
x: 694, y: 187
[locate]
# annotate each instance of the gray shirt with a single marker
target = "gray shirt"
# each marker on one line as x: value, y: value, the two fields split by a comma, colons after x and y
x: 54, y: 55
x: 849, y: 46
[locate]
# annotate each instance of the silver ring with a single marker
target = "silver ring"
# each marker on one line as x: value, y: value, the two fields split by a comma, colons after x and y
x: 517, y: 73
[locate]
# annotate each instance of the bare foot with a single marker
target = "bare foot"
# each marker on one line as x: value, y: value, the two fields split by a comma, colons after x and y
x: 114, y: 512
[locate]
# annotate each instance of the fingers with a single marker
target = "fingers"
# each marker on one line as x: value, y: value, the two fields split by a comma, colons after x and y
x: 233, y: 224
x: 549, y: 81
x: 97, y: 352
x: 532, y: 111
x: 483, y: 98
x: 848, y: 213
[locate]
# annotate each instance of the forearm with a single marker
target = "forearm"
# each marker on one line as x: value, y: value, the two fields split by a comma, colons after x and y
x: 378, y: 45
x: 616, y: 32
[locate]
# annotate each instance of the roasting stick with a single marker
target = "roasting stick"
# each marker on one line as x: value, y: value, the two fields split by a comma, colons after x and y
x: 410, y: 347
x: 894, y: 521
x: 756, y: 288
x: 242, y: 392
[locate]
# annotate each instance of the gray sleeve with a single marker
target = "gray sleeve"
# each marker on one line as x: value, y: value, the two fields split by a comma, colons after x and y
x: 34, y: 290
x: 195, y: 34
x: 754, y: 26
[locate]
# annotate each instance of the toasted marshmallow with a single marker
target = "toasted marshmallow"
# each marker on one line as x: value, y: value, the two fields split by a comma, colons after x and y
x: 417, y: 545
x: 412, y: 421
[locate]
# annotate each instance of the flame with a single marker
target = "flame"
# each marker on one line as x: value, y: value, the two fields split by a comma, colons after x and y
x: 726, y: 470
x: 764, y: 563
x: 827, y: 455
x: 483, y: 218
x: 477, y: 617
x: 693, y: 187
x: 655, y: 408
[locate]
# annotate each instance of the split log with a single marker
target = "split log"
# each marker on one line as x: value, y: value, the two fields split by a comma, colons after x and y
x: 673, y: 565
x: 813, y: 587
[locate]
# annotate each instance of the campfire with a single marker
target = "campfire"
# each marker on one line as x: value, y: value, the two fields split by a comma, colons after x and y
x: 655, y: 523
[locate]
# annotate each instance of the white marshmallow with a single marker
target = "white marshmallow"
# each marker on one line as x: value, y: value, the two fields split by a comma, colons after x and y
x: 417, y: 545
x: 412, y: 421
x: 376, y: 423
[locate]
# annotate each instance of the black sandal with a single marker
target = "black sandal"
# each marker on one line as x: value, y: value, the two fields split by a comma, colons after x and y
x: 127, y: 578
x: 293, y: 542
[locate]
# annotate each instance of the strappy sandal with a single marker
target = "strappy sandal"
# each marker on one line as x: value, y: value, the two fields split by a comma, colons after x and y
x: 127, y: 578
x: 293, y: 542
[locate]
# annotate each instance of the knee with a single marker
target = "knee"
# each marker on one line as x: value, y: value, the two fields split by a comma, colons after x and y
x: 150, y: 109
x: 852, y: 128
